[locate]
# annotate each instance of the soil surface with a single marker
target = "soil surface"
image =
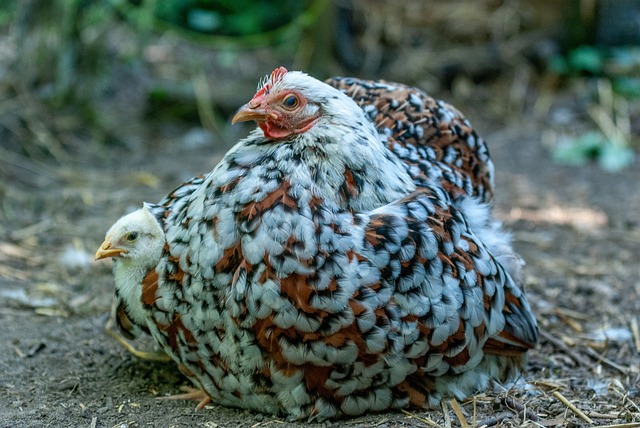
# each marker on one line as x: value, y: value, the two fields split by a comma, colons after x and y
x: 578, y: 228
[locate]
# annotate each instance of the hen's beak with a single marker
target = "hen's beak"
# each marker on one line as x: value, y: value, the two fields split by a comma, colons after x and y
x: 250, y: 111
x: 105, y: 250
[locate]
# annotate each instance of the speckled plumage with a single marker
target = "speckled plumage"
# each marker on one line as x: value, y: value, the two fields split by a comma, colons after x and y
x: 433, y: 139
x: 320, y: 275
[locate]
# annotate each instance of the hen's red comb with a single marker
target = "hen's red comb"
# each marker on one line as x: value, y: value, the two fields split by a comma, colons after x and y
x: 267, y: 83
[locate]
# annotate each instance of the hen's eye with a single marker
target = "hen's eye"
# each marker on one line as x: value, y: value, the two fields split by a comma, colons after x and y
x: 290, y: 102
x: 132, y: 236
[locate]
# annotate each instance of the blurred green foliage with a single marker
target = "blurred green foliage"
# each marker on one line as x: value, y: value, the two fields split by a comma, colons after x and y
x: 226, y: 23
x: 62, y: 51
x: 619, y: 64
x: 618, y: 70
x: 229, y: 17
x: 610, y: 154
x: 7, y: 11
x: 583, y: 59
x: 87, y: 65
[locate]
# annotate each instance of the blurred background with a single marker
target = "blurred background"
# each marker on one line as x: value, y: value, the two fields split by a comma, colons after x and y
x: 106, y: 103
x: 111, y: 71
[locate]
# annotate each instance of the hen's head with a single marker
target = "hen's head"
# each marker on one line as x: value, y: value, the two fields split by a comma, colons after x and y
x: 136, y: 238
x: 292, y: 102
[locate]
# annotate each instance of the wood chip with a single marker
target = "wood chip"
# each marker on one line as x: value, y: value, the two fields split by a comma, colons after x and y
x: 573, y: 408
x: 598, y: 415
x: 635, y: 331
x: 422, y: 419
x: 494, y: 420
x: 572, y: 323
x: 511, y: 403
x: 627, y: 425
x: 607, y: 361
x: 445, y: 413
x: 566, y: 349
x: 18, y: 351
x: 475, y: 414
x: 458, y: 411
x: 52, y: 312
x: 546, y: 384
x: 564, y: 312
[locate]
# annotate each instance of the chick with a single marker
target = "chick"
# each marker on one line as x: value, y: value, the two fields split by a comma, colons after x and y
x: 135, y: 243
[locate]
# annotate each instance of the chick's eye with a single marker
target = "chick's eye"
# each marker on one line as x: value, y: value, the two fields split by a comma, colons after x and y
x: 290, y: 102
x: 132, y: 236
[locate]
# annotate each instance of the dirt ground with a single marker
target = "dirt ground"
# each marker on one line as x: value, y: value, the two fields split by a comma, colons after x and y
x: 578, y: 228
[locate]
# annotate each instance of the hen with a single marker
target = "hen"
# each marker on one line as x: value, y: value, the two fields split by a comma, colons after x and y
x: 308, y: 275
x: 434, y: 141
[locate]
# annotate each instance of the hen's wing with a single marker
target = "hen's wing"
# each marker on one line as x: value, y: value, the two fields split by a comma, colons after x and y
x: 432, y: 137
x: 309, y: 310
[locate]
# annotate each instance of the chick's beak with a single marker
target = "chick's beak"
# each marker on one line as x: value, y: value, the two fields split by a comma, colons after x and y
x: 253, y: 111
x: 105, y: 250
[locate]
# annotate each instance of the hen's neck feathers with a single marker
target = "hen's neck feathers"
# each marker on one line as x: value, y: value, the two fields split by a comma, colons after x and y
x: 342, y: 156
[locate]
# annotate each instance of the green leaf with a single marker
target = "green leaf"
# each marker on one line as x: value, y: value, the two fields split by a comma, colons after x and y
x: 627, y: 86
x: 615, y: 157
x: 579, y: 150
x: 558, y: 64
x: 612, y: 155
x: 586, y: 58
x: 206, y: 21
